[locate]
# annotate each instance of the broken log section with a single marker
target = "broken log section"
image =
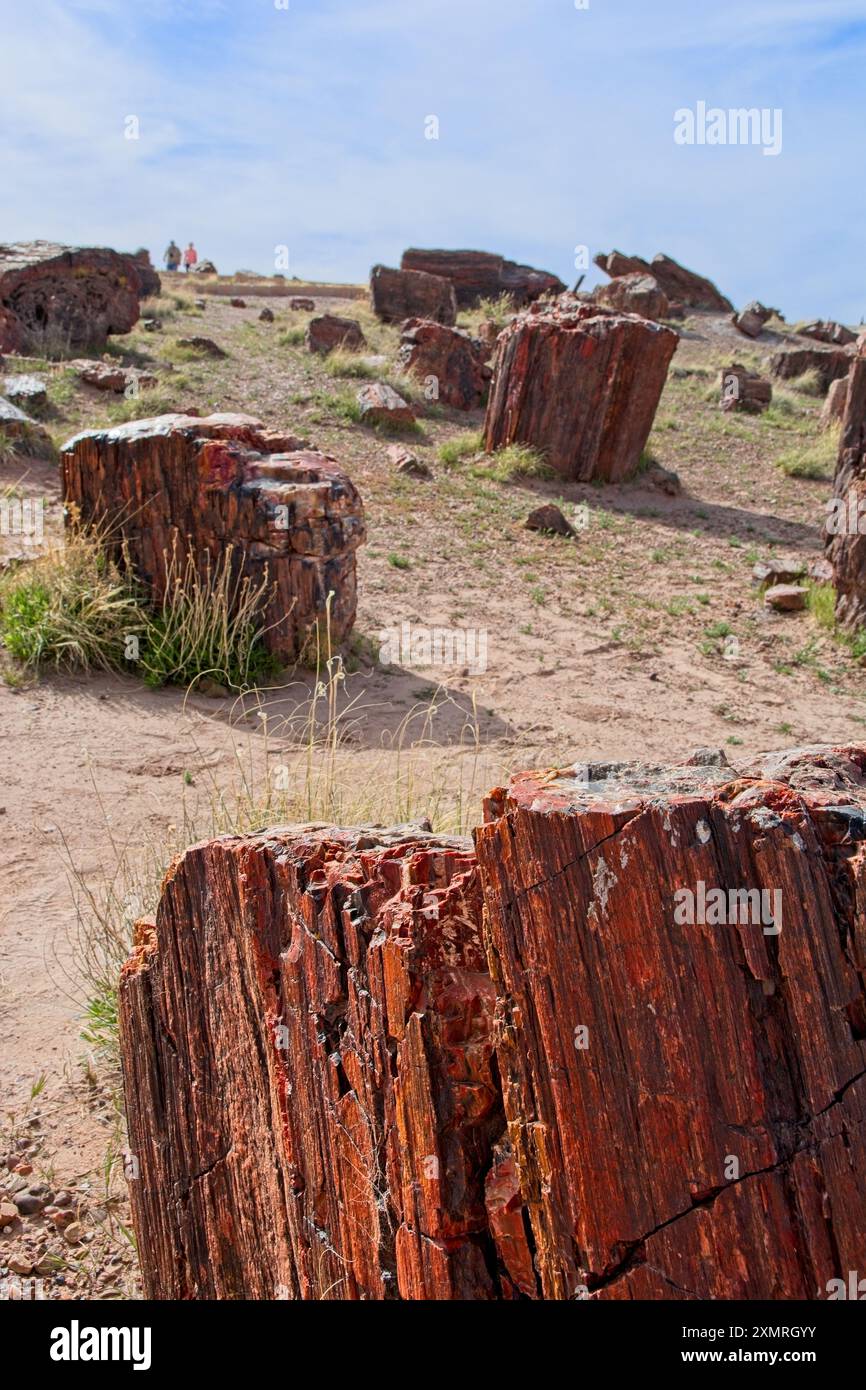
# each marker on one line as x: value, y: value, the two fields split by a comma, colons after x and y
x: 651, y: 1085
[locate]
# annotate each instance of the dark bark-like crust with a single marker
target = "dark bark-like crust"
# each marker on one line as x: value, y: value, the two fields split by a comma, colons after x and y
x: 291, y: 514
x: 408, y: 294
x: 69, y: 296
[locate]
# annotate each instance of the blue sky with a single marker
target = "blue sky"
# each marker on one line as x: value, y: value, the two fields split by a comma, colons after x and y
x: 262, y: 126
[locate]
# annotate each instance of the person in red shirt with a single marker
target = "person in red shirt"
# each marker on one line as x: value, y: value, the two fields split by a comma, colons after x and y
x: 190, y: 256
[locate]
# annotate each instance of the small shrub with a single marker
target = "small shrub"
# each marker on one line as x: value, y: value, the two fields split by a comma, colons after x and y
x: 514, y: 461
x: 809, y: 384
x: 208, y: 625
x: 342, y: 363
x: 70, y: 609
x: 460, y: 447
x: 813, y: 459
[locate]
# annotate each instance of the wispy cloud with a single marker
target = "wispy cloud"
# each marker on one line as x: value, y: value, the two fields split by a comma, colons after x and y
x: 262, y: 126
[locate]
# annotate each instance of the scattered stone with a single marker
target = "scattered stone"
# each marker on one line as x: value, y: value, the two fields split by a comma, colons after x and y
x: 151, y: 325
x: 742, y: 389
x: 328, y: 332
x: 73, y: 1233
x: 203, y: 345
x: 827, y: 331
x: 62, y: 296
x: 581, y: 385
x: 205, y: 268
x: 682, y: 287
x: 238, y: 303
x: 28, y: 1203
x: 307, y: 306
x: 451, y: 365
x: 751, y: 320
x: 636, y: 293
x: 27, y: 392
x: 267, y: 315
x: 406, y: 294
x: 778, y: 572
x: 408, y: 463
x: 482, y: 275
x: 550, y: 520
x: 380, y: 405
x: 664, y: 480
x: 786, y: 598
x: 110, y: 376
x: 8, y: 1214
x: 200, y: 303
x: 291, y: 515
x: 22, y: 431
x: 833, y: 409
x: 19, y: 1264
x: 828, y: 363
x: 63, y: 1199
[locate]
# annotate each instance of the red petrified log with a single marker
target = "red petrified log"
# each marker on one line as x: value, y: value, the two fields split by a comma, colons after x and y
x: 679, y: 284
x: 481, y: 274
x: 846, y: 522
x: 407, y: 294
x: 308, y: 1063
x: 290, y: 513
x: 686, y: 1100
x: 580, y: 383
x: 68, y: 296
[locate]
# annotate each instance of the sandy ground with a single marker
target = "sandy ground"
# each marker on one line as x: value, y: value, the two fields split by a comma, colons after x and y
x: 610, y: 646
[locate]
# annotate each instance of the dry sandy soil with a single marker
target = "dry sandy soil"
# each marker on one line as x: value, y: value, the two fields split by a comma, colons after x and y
x: 609, y: 646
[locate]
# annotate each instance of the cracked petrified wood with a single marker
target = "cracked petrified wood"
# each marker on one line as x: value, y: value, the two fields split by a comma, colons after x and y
x: 686, y: 1103
x: 581, y: 384
x: 846, y: 524
x: 63, y: 296
x: 293, y: 519
x: 311, y: 1093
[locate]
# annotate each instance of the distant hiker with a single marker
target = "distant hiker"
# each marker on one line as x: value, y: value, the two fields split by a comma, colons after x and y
x: 190, y: 256
x: 172, y: 256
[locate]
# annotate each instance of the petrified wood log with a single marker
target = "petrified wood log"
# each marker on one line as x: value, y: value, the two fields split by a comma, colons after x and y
x: 481, y: 274
x: 683, y: 1068
x: 582, y: 385
x: 408, y: 294
x: 311, y: 1094
x: 290, y: 513
x: 328, y: 332
x: 69, y: 296
x: 681, y: 286
x: 634, y: 294
x: 846, y: 522
x: 828, y: 331
x: 451, y: 364
x: 829, y: 364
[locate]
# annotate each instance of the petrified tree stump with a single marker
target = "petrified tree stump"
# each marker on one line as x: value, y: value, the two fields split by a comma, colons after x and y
x: 580, y: 383
x: 846, y: 522
x: 290, y: 514
x: 308, y: 1063
x: 679, y: 960
x: 742, y: 389
x: 66, y: 296
x: 407, y: 294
